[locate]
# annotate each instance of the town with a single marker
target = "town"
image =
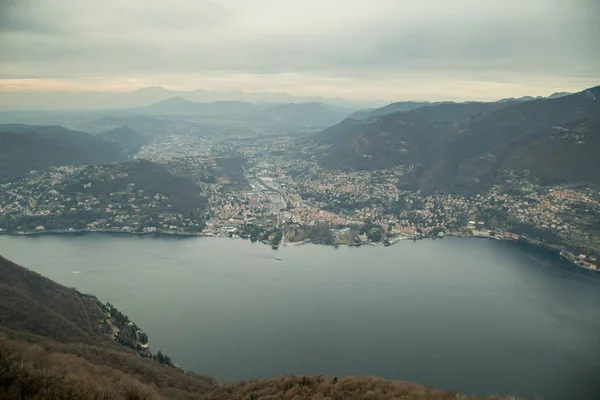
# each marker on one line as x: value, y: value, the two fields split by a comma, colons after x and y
x: 273, y: 189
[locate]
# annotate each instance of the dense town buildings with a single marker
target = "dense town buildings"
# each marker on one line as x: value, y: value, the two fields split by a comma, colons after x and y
x: 272, y: 185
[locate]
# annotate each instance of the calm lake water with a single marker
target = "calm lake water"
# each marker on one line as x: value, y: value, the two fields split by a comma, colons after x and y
x: 476, y: 316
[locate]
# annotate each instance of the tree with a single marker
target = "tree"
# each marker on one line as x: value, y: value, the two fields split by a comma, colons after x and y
x: 277, y: 238
x: 209, y: 179
x: 374, y: 235
x: 143, y: 338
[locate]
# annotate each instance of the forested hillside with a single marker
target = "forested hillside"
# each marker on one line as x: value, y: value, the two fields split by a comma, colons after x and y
x: 464, y: 147
x: 24, y: 148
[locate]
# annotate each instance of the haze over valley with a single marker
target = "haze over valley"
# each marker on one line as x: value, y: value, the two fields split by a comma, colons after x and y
x: 278, y: 174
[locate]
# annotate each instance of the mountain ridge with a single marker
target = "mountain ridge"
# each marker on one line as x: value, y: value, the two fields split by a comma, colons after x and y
x: 291, y: 114
x: 411, y: 105
x: 129, y: 139
x: 439, y: 139
x: 393, y: 138
x: 26, y: 147
x: 392, y: 108
x: 71, y: 100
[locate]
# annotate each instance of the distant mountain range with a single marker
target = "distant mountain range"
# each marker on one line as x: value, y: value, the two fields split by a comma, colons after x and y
x: 95, y: 100
x: 389, y: 109
x: 529, y: 98
x: 142, y: 124
x: 24, y: 148
x: 260, y: 114
x: 411, y: 105
x: 127, y: 138
x: 462, y: 147
x: 303, y: 114
x: 181, y: 106
x: 179, y: 109
x: 154, y: 94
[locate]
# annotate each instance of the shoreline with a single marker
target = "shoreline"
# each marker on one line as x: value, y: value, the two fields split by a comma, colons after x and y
x: 182, y: 235
x: 79, y: 232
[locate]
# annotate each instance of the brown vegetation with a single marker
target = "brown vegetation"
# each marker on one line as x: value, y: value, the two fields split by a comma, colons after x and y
x: 34, y: 371
x: 319, y: 387
x: 47, y: 370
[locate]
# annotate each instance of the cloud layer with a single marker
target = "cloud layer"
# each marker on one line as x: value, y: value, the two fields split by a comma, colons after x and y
x: 330, y: 43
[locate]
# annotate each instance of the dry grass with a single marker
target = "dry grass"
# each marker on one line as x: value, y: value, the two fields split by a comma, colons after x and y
x: 29, y: 371
x: 50, y: 370
x: 321, y: 388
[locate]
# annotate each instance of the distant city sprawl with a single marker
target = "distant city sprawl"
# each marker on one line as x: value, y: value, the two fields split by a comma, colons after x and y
x: 274, y: 190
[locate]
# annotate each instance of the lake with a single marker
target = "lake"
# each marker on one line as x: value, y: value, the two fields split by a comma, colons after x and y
x: 472, y: 315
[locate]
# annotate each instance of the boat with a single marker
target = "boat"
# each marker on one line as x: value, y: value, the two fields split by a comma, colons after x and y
x: 76, y: 272
x: 278, y: 258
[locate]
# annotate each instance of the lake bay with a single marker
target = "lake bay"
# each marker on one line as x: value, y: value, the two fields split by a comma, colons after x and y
x: 476, y: 316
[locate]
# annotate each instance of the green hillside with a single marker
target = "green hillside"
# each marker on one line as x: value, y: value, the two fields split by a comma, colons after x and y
x: 24, y: 148
x: 462, y: 148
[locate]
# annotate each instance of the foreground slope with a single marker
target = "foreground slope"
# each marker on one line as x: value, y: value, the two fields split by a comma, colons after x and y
x: 34, y: 304
x: 70, y: 357
x: 53, y: 345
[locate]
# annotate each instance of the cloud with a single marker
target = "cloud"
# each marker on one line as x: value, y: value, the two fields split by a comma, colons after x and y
x: 381, y: 39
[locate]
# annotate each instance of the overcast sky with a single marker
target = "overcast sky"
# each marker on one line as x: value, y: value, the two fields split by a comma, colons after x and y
x: 393, y: 49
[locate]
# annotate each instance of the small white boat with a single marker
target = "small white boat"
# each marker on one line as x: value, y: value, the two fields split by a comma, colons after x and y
x: 76, y: 272
x: 278, y: 258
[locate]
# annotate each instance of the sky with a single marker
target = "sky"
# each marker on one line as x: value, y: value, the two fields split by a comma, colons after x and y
x: 358, y: 49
